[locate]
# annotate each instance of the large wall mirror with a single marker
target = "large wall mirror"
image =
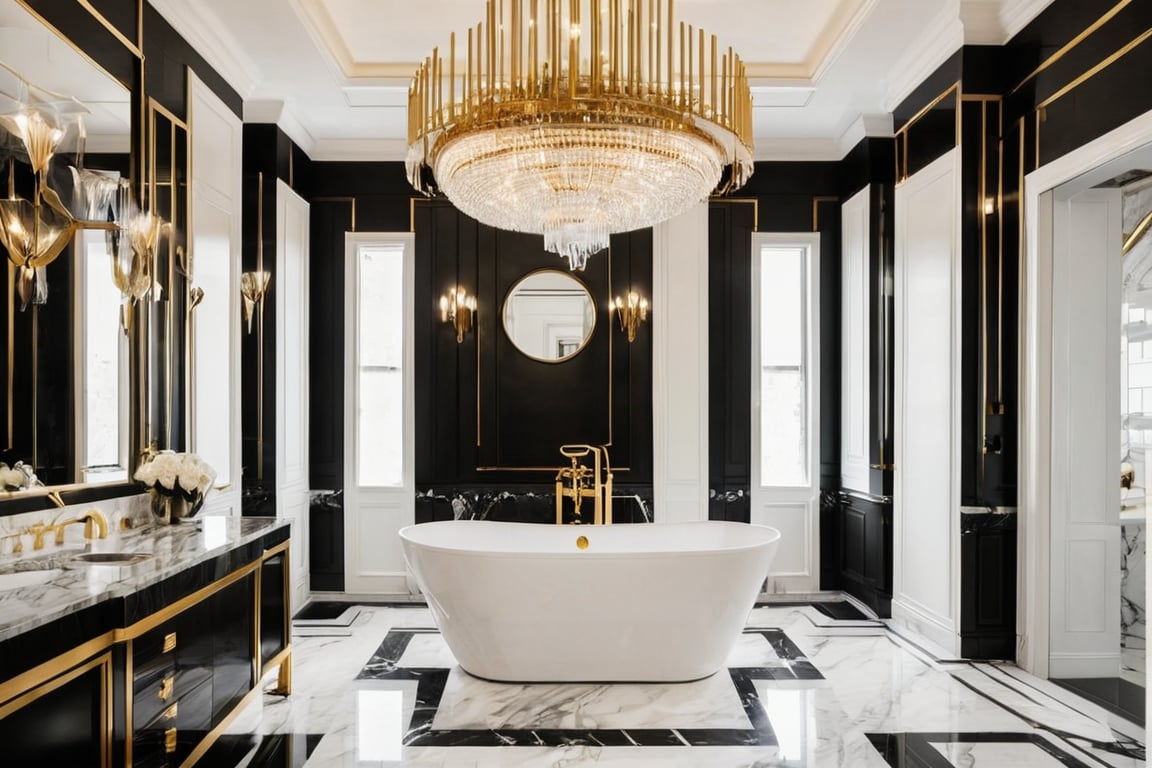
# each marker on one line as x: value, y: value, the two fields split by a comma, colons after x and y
x: 67, y: 358
x: 549, y: 315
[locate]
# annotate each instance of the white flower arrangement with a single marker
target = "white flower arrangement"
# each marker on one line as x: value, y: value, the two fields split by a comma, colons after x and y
x: 170, y: 473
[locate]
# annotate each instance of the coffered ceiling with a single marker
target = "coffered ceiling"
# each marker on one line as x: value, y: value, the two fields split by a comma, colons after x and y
x: 334, y: 73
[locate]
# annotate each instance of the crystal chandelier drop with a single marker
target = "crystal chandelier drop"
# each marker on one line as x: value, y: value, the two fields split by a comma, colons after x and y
x: 576, y: 119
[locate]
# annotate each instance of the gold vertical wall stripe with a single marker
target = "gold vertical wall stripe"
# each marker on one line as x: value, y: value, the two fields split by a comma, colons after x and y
x: 260, y: 331
x: 1000, y: 256
x: 1073, y: 43
x: 1104, y: 64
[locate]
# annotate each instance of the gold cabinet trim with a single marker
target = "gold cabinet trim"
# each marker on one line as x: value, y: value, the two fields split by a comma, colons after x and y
x: 169, y: 642
x: 167, y: 686
x: 170, y: 740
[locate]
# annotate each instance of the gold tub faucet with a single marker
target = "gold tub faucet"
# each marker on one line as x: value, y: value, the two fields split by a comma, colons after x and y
x: 95, y: 525
x: 578, y: 482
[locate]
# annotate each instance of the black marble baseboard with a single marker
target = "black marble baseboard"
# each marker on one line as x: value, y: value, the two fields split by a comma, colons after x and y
x: 524, y: 504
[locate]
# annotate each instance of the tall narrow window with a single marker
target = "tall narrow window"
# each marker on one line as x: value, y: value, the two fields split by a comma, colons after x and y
x: 105, y: 368
x: 380, y: 365
x: 782, y: 363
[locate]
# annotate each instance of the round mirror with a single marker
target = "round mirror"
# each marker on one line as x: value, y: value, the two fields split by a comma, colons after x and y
x: 549, y: 315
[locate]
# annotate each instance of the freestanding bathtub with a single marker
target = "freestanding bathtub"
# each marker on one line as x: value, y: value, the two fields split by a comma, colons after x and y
x: 661, y: 602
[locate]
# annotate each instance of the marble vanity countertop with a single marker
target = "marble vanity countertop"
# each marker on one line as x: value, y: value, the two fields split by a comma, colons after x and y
x: 74, y: 585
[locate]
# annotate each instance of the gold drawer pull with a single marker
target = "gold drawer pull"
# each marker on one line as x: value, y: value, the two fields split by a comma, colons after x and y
x: 166, y: 688
x: 169, y: 642
x: 170, y: 713
x: 170, y: 740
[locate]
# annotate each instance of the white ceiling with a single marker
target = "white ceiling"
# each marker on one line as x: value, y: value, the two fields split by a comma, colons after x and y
x: 334, y: 73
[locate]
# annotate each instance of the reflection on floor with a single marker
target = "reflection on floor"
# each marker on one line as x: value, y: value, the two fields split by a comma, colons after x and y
x: 1115, y: 694
x: 802, y: 689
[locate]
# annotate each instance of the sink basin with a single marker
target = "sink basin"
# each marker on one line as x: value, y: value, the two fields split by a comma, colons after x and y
x: 111, y: 558
x: 27, y: 578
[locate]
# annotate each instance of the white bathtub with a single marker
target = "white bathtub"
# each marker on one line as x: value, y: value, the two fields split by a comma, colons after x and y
x: 647, y: 602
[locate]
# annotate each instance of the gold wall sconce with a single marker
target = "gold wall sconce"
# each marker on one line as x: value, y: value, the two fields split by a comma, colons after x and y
x: 458, y: 309
x: 253, y: 286
x: 631, y: 313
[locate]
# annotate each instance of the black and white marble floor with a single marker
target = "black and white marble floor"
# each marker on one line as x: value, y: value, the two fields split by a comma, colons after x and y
x: 802, y: 689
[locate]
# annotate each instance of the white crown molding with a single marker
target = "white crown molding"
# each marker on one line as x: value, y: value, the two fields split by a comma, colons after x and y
x: 210, y: 37
x: 325, y: 37
x: 981, y: 20
x: 1017, y: 14
x: 829, y: 56
x: 263, y: 110
x: 798, y: 150
x: 943, y: 37
x: 864, y: 127
x: 294, y: 129
x: 363, y: 150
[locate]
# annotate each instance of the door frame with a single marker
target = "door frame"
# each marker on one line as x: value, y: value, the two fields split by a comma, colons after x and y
x: 1034, y: 426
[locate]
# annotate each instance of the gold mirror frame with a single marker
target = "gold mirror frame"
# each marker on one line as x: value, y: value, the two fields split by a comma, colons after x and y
x: 590, y: 311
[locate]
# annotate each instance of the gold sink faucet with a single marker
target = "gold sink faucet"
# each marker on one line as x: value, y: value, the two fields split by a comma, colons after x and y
x: 95, y: 525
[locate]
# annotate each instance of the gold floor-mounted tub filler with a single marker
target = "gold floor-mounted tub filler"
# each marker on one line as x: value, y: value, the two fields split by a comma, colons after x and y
x: 579, y: 482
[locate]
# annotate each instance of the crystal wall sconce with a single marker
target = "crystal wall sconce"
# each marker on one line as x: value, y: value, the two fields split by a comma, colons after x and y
x: 253, y: 286
x: 458, y: 309
x: 631, y: 313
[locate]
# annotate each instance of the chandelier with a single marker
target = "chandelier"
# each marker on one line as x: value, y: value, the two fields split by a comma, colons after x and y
x: 579, y: 119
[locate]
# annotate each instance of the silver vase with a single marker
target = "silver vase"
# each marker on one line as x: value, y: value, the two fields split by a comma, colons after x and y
x: 172, y: 508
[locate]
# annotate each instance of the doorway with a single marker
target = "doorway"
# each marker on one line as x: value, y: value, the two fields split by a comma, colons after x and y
x: 1081, y: 424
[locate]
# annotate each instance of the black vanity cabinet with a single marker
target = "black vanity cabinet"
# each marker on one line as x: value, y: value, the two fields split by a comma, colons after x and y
x: 179, y: 658
x: 62, y: 720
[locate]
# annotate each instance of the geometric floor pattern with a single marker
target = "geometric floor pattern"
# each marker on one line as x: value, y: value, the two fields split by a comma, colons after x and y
x: 801, y: 689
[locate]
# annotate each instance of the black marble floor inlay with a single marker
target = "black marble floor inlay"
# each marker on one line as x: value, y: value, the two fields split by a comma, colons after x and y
x: 1118, y: 696
x: 322, y: 609
x: 840, y: 610
x: 281, y: 750
x: 431, y: 682
x: 916, y: 750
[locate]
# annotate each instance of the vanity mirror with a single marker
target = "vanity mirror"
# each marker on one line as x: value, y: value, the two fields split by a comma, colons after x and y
x: 66, y: 364
x: 549, y: 315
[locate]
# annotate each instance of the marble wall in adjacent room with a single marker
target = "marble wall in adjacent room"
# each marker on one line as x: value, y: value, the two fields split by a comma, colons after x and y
x: 1133, y: 627
x: 522, y: 505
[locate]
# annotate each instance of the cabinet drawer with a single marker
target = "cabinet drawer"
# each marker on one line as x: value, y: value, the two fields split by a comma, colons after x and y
x: 153, y: 695
x: 155, y: 746
x: 154, y: 654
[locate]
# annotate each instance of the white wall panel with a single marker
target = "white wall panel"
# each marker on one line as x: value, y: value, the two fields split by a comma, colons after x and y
x: 854, y: 342
x: 680, y: 367
x: 1085, y: 493
x: 214, y: 239
x: 927, y: 501
x: 290, y: 282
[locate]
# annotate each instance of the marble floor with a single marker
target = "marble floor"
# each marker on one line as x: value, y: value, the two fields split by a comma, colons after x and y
x: 801, y: 689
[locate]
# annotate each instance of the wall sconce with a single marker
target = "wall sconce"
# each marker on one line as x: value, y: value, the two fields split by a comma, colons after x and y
x: 631, y: 313
x: 458, y: 309
x: 253, y: 286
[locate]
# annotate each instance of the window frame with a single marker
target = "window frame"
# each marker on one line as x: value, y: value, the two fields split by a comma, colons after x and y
x: 809, y: 244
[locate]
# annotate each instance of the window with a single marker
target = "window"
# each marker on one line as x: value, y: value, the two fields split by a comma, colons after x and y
x: 783, y: 386
x: 380, y: 365
x: 105, y: 362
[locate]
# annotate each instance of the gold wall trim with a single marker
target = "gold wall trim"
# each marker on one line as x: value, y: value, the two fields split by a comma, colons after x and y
x: 131, y: 46
x: 351, y: 200
x: 753, y: 201
x: 1107, y: 62
x: 68, y: 41
x: 1072, y: 43
x: 539, y: 469
x: 955, y: 87
x: 816, y: 200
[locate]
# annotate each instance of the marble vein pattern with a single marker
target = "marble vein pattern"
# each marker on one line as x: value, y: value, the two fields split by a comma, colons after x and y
x: 1133, y: 601
x: 171, y: 549
x: 801, y: 690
